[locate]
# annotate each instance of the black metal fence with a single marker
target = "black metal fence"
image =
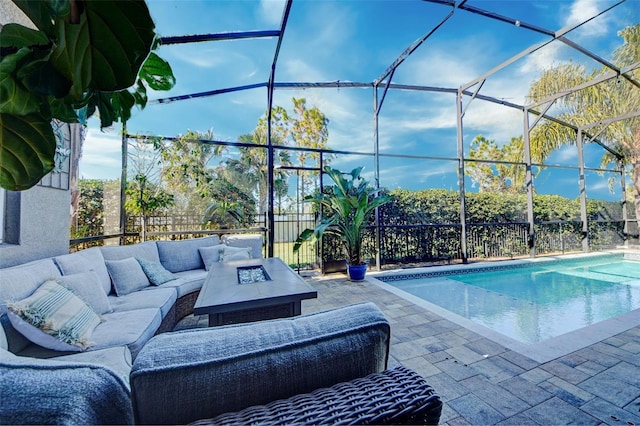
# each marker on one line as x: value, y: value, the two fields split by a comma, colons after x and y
x: 399, y: 244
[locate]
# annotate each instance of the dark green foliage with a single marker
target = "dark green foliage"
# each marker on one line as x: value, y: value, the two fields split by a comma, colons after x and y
x: 84, y: 55
x: 424, y: 226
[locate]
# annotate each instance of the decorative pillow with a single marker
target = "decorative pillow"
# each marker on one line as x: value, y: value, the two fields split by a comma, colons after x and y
x: 84, y: 261
x: 156, y: 273
x: 182, y: 255
x: 210, y: 255
x: 127, y: 275
x: 228, y: 254
x: 55, y: 318
x: 87, y: 286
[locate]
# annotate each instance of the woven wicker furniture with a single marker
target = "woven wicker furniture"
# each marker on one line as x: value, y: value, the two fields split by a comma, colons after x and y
x: 226, y: 301
x: 397, y: 396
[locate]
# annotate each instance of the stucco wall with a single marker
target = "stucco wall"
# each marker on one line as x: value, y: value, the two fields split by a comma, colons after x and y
x: 37, y: 225
x: 36, y: 220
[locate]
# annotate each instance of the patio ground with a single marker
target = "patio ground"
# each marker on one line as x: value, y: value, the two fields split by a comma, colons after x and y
x: 483, y: 383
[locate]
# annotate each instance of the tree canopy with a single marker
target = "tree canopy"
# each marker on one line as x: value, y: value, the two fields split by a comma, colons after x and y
x: 610, y: 99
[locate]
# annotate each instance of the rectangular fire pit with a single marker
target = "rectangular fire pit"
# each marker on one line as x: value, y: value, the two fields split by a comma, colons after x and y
x: 251, y: 290
x: 252, y: 274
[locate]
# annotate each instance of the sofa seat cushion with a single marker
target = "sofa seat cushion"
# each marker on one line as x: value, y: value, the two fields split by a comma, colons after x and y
x: 147, y: 250
x: 62, y: 393
x: 183, y: 255
x: 130, y: 328
x: 187, y: 281
x: 255, y: 363
x: 84, y: 261
x: 151, y: 297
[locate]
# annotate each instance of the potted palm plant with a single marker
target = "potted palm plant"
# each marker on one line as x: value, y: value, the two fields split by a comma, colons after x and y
x: 346, y: 208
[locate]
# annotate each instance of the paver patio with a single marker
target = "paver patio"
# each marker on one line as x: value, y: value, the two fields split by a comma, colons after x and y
x: 481, y: 382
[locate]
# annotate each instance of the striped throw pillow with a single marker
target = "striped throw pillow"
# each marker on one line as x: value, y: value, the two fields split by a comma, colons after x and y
x: 56, y: 312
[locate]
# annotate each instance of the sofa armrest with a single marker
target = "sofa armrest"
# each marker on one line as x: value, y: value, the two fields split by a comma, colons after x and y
x: 42, y: 392
x: 185, y: 376
x: 398, y: 396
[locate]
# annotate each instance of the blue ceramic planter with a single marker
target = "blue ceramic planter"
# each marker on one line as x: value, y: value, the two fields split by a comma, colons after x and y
x: 356, y: 272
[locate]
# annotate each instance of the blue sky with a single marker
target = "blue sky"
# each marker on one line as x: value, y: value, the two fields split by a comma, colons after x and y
x: 356, y: 41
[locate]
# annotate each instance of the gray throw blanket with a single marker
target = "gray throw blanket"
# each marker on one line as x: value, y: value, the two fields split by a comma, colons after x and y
x: 32, y: 393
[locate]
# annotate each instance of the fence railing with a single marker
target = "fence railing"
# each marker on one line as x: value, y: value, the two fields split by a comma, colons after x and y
x: 399, y: 244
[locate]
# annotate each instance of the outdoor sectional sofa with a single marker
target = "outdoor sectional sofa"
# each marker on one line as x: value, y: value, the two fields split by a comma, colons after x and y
x: 128, y: 375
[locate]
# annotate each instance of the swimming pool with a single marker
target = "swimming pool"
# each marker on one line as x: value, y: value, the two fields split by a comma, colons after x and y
x: 530, y: 301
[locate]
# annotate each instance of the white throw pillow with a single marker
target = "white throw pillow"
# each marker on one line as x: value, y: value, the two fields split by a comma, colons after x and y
x: 228, y: 254
x: 55, y: 318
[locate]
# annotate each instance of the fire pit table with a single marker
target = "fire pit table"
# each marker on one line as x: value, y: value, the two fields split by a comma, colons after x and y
x: 251, y: 290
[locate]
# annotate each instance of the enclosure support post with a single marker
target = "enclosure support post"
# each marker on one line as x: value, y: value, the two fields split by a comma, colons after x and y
x: 376, y: 162
x: 583, y: 195
x: 625, y: 216
x: 463, y: 215
x: 123, y: 184
x: 529, y: 185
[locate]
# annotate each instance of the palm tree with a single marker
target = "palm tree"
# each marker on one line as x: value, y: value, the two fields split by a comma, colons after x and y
x: 252, y: 168
x: 609, y: 99
x: 309, y: 130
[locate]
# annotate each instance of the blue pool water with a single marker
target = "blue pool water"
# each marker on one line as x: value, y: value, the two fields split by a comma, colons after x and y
x: 533, y: 303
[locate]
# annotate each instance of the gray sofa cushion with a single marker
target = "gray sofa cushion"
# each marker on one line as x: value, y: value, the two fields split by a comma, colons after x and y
x: 210, y: 255
x: 151, y: 297
x: 86, y: 285
x: 185, y: 376
x: 183, y: 255
x: 146, y: 250
x: 126, y: 275
x: 130, y: 328
x: 187, y: 282
x: 246, y: 240
x: 84, y: 261
x: 21, y: 281
x: 62, y: 393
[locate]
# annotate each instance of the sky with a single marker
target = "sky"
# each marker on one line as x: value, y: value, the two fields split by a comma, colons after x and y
x: 356, y: 41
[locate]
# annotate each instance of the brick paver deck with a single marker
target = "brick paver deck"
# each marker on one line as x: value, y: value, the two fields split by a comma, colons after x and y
x: 483, y: 383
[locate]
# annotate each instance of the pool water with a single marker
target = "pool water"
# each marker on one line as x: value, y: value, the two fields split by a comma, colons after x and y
x: 534, y: 303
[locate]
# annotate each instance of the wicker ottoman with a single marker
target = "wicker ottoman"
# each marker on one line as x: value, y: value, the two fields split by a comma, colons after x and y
x: 396, y: 396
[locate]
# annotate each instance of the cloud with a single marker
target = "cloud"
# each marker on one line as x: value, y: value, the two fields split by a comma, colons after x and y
x: 581, y: 10
x: 101, y: 155
x: 271, y: 11
x: 542, y: 59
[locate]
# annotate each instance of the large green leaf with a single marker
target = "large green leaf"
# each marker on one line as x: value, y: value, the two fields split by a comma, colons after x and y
x: 39, y: 76
x: 62, y: 110
x: 108, y: 47
x: 27, y: 149
x: 157, y: 73
x: 14, y: 97
x: 16, y: 35
x: 39, y: 13
x: 71, y: 56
